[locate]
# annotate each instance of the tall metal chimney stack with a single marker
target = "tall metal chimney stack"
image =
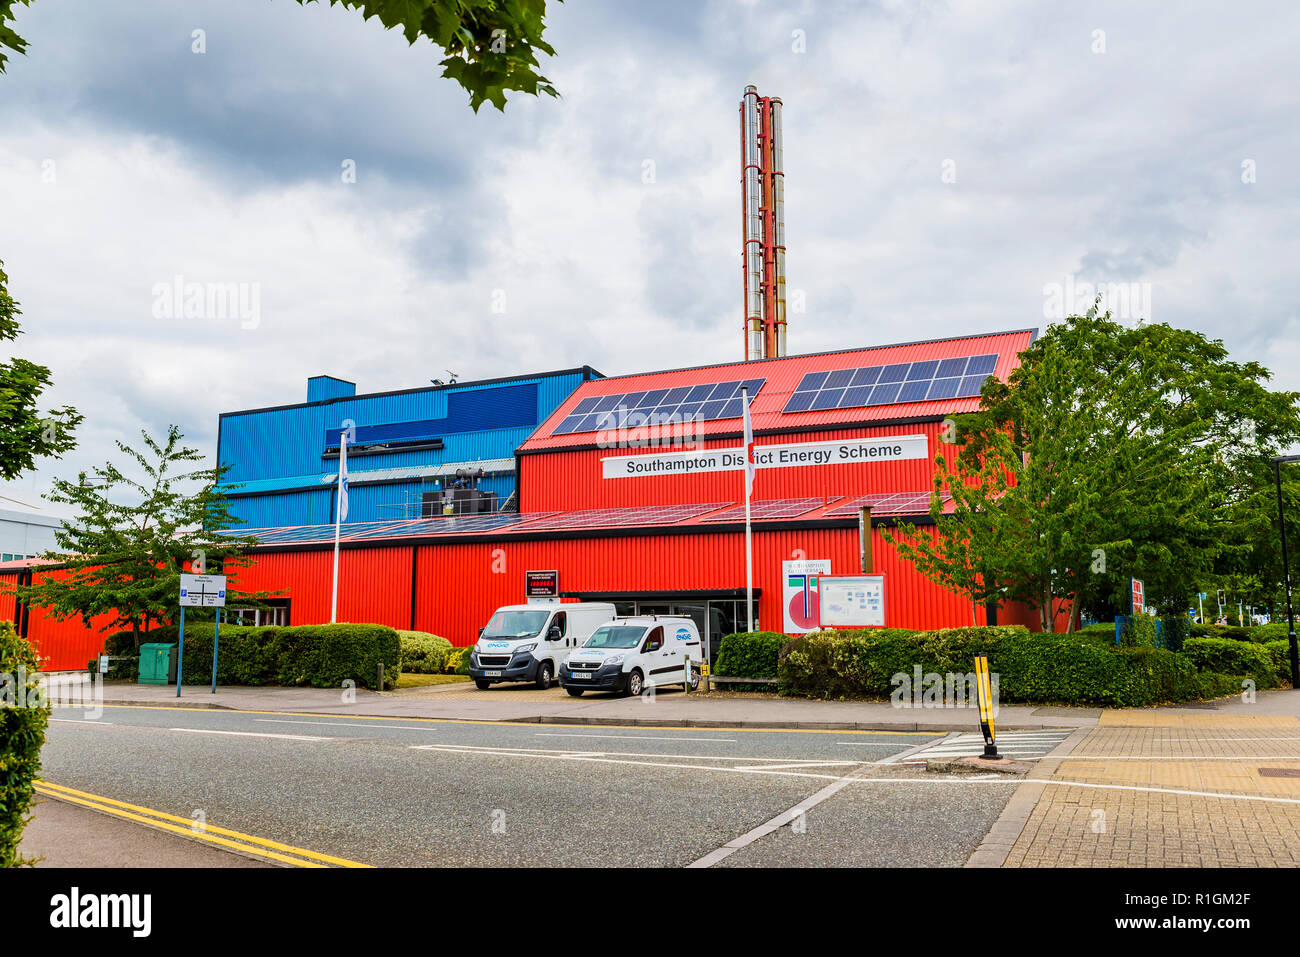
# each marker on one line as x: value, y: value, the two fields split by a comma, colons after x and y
x: 763, y: 224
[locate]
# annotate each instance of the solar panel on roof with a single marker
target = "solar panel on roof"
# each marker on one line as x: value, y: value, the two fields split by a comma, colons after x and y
x: 768, y: 509
x: 919, y: 381
x: 616, y: 517
x: 887, y: 503
x: 450, y: 524
x: 703, y: 403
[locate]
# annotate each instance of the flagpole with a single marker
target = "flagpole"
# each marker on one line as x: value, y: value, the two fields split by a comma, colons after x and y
x: 338, y: 519
x: 749, y: 531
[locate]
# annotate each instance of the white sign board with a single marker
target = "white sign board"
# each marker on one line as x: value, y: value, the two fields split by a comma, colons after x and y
x: 799, y: 595
x: 853, y: 601
x: 203, y: 591
x: 892, y: 448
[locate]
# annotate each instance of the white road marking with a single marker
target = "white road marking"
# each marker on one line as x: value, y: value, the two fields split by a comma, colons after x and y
x: 82, y: 721
x: 800, y: 764
x: 601, y: 758
x: 254, y: 734
x: 631, y: 737
x: 345, y: 724
x: 508, y: 749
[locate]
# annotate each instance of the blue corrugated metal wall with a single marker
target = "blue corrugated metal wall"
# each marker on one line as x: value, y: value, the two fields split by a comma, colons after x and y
x: 289, y: 442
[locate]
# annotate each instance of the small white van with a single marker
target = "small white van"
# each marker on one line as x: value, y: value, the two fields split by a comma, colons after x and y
x: 628, y: 655
x: 530, y: 642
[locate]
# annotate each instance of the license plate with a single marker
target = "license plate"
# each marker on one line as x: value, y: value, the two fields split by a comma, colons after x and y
x: 491, y: 674
x: 580, y: 675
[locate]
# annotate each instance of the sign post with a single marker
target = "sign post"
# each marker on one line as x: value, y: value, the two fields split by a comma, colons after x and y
x: 201, y: 591
x: 1138, y: 605
x: 984, y: 691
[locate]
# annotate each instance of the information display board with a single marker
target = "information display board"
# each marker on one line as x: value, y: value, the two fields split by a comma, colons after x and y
x: 853, y: 601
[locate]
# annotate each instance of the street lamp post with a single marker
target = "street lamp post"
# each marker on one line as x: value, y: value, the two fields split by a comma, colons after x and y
x: 1286, y: 567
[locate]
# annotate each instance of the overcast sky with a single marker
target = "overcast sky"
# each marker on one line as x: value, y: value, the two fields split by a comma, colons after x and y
x: 945, y: 164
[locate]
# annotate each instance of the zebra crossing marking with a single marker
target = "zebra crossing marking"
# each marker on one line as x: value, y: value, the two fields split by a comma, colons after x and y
x: 1022, y: 745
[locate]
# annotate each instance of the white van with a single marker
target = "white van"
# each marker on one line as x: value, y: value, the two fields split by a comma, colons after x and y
x: 628, y: 655
x: 530, y: 642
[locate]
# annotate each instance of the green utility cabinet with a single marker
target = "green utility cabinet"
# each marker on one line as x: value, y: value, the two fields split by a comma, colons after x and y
x: 157, y: 664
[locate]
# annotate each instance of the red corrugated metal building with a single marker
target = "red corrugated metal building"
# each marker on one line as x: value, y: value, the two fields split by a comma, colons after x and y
x: 630, y: 505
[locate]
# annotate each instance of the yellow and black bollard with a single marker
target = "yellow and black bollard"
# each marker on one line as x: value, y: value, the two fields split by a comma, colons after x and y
x: 984, y: 692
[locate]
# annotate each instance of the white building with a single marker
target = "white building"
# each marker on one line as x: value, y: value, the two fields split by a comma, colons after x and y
x: 25, y: 535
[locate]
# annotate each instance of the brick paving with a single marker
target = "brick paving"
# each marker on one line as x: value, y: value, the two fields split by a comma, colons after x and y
x: 1159, y: 789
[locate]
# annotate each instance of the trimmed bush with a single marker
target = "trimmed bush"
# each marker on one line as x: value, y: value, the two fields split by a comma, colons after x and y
x: 1139, y: 631
x: 1070, y: 669
x: 1230, y: 657
x: 23, y: 718
x: 317, y: 656
x: 423, y: 653
x: 1280, y: 653
x: 750, y: 654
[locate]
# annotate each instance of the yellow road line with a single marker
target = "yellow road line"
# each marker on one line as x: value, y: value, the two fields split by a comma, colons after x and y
x: 262, y: 846
x: 521, y: 724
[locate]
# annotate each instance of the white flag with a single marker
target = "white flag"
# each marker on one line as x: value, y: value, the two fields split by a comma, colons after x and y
x: 343, y: 476
x: 749, y: 445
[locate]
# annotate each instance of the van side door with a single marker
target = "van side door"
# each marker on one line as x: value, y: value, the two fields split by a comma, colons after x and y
x: 556, y: 645
x: 662, y: 657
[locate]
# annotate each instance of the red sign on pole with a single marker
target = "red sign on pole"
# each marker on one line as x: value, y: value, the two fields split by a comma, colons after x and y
x: 1139, y: 604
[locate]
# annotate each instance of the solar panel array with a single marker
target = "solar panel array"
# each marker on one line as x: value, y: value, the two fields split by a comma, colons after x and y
x: 306, y: 534
x: 887, y: 503
x: 884, y: 385
x: 704, y: 403
x: 615, y: 517
x: 449, y: 525
x: 768, y: 509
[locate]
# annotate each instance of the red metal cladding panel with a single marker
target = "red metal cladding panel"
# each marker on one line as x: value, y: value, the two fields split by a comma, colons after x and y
x: 66, y: 645
x: 7, y: 601
x: 782, y: 378
x: 374, y: 584
x: 572, y: 479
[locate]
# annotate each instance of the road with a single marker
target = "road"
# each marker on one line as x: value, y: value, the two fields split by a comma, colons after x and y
x: 410, y: 792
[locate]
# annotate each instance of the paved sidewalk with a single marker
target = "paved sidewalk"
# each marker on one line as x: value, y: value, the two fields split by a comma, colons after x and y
x: 668, y: 708
x: 65, y: 835
x: 1188, y: 787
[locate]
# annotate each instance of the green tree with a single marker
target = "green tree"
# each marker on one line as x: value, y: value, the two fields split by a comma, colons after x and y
x: 491, y: 46
x: 25, y: 434
x: 1125, y: 452
x: 23, y: 716
x: 132, y: 538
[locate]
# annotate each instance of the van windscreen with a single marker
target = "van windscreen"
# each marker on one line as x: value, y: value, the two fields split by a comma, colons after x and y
x: 615, y: 636
x: 515, y: 624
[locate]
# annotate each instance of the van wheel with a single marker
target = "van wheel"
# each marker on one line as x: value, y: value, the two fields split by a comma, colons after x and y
x: 693, y: 677
x: 575, y: 692
x: 483, y: 685
x: 545, y: 673
x: 635, y: 684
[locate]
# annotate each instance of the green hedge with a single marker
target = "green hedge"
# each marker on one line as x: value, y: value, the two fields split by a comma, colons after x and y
x: 318, y: 656
x: 1072, y: 669
x: 1227, y: 656
x: 1256, y: 633
x: 750, y: 654
x: 423, y: 653
x: 22, y: 734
